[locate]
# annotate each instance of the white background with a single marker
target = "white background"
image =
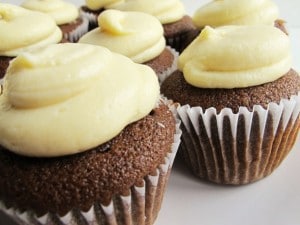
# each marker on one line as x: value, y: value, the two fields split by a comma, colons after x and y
x: 274, y: 200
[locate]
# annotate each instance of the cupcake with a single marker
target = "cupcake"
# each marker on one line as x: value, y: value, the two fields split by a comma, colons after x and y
x: 239, y: 102
x: 86, y: 136
x: 126, y: 33
x: 92, y: 9
x: 171, y: 14
x: 23, y: 30
x: 233, y: 12
x: 66, y: 16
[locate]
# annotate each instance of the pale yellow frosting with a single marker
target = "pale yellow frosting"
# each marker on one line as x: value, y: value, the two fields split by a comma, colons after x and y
x: 236, y: 57
x: 23, y: 30
x: 126, y: 33
x: 167, y: 11
x: 236, y: 12
x: 99, y: 4
x: 68, y: 98
x: 62, y: 12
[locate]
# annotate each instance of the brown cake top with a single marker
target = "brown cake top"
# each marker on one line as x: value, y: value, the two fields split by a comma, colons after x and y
x: 176, y: 88
x: 77, y: 181
x: 179, y: 27
x: 162, y: 62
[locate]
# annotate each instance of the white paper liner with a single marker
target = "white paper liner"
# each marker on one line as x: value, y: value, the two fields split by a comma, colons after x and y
x: 141, y: 207
x: 74, y: 35
x: 240, y: 148
x: 163, y: 75
x: 91, y: 17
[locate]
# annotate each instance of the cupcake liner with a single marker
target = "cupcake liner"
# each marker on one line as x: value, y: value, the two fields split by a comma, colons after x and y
x: 239, y: 148
x: 140, y: 207
x: 80, y: 30
x: 163, y: 75
x: 91, y: 17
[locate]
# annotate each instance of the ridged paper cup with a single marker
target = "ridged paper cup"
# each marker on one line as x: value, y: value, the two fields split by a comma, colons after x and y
x: 140, y: 207
x: 241, y: 148
x: 74, y: 35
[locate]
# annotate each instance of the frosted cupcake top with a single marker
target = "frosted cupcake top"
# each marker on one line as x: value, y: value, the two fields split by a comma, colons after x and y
x: 136, y: 35
x: 236, y: 57
x: 68, y: 98
x: 99, y: 4
x: 61, y: 11
x: 167, y: 11
x: 16, y: 36
x: 236, y: 12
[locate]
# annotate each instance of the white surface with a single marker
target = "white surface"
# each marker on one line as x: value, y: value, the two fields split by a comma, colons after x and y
x: 274, y: 200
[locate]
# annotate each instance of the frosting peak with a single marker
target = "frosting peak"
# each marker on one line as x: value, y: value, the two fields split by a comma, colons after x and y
x: 22, y: 30
x: 167, y: 11
x: 99, y: 4
x: 236, y: 57
x: 126, y: 33
x: 68, y: 98
x: 236, y: 12
x: 61, y: 11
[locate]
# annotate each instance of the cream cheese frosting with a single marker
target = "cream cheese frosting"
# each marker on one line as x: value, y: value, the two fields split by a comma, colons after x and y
x: 62, y: 12
x: 68, y: 98
x: 236, y: 12
x: 23, y: 30
x: 167, y: 11
x: 136, y: 35
x: 236, y: 57
x: 99, y: 4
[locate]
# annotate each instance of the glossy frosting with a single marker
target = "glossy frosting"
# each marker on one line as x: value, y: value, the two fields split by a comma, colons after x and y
x: 236, y: 56
x: 126, y: 33
x: 68, y: 98
x: 167, y: 11
x: 236, y: 12
x: 62, y: 12
x: 22, y: 30
x: 99, y: 4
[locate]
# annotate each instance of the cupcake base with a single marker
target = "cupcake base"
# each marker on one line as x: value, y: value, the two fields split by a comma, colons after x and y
x: 73, y: 31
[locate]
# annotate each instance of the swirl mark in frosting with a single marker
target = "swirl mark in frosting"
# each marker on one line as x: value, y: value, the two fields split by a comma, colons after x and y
x: 91, y: 94
x: 236, y: 57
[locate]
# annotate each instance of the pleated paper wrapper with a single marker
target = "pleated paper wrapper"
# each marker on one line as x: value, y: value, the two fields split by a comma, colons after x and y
x: 241, y: 148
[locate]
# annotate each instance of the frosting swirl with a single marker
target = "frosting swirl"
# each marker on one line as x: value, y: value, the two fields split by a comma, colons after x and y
x: 16, y: 36
x: 167, y: 11
x: 68, y: 98
x: 61, y: 11
x: 236, y: 12
x: 126, y: 33
x: 236, y: 57
x: 99, y: 4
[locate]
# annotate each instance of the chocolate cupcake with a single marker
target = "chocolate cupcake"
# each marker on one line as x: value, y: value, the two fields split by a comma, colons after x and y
x: 66, y: 16
x: 126, y: 33
x: 240, y: 103
x: 88, y: 150
x: 22, y: 31
x: 222, y: 13
x: 171, y: 14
